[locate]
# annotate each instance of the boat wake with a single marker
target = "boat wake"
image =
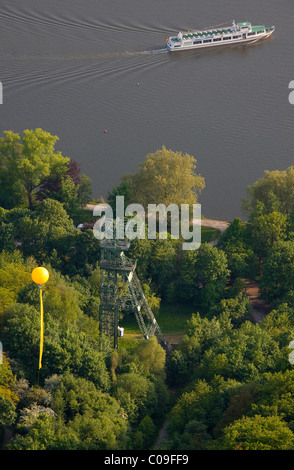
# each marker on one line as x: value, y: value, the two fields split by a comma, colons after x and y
x: 31, y: 71
x: 159, y: 51
x: 162, y: 50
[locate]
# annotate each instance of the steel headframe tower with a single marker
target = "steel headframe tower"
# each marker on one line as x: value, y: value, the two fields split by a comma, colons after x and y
x: 114, y: 267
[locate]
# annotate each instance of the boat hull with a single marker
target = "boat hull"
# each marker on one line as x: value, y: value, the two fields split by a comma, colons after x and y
x: 251, y: 40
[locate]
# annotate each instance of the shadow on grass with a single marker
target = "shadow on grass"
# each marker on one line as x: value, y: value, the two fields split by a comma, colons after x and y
x: 171, y: 319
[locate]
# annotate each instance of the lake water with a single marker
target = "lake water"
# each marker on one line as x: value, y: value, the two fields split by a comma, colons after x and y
x: 76, y: 68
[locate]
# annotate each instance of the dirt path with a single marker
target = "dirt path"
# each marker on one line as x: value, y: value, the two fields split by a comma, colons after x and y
x: 260, y: 308
x: 221, y: 225
x: 90, y: 207
x: 162, y: 434
x: 7, y: 435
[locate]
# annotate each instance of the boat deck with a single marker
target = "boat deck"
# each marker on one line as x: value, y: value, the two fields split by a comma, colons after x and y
x: 203, y: 34
x: 210, y: 33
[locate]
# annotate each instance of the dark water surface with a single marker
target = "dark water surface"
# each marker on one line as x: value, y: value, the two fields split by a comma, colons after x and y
x: 75, y: 68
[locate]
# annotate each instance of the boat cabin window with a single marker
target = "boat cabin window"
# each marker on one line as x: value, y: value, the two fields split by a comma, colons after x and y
x: 207, y: 40
x: 226, y: 38
x: 198, y: 41
x: 251, y: 34
x: 237, y: 37
x: 217, y: 39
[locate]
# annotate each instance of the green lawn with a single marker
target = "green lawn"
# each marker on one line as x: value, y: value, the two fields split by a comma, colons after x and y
x: 171, y: 319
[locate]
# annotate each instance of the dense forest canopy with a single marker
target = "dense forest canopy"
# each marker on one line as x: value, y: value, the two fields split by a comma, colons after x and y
x: 226, y: 384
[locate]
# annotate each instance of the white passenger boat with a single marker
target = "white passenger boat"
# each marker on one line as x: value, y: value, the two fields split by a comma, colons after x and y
x: 235, y: 34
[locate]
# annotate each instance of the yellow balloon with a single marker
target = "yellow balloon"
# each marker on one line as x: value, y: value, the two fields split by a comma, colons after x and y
x: 40, y: 275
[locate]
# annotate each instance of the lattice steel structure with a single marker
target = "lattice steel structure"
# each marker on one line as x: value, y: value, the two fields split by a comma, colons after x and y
x: 116, y: 267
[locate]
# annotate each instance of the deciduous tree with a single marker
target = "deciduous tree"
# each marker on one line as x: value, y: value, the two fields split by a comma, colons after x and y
x: 25, y: 161
x: 275, y: 190
x: 258, y: 433
x: 166, y: 177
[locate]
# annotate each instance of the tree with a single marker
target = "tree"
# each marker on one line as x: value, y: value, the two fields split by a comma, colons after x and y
x: 258, y: 433
x: 49, y: 235
x: 11, y: 189
x: 141, y: 250
x: 163, y: 267
x: 71, y: 188
x: 280, y: 322
x: 266, y: 230
x: 14, y: 276
x: 239, y: 403
x: 236, y: 308
x: 236, y: 244
x: 144, y: 434
x: 39, y: 437
x: 79, y: 416
x: 122, y: 189
x: 150, y: 355
x: 177, y: 368
x: 275, y: 190
x: 71, y: 339
x: 152, y: 299
x: 95, y: 417
x: 201, y: 335
x: 166, y: 177
x: 77, y: 253
x: 236, y: 231
x: 274, y: 396
x: 42, y: 230
x: 7, y: 412
x: 204, y: 276
x: 21, y: 335
x: 203, y: 402
x: 208, y: 331
x: 25, y: 161
x: 243, y: 354
x: 278, y: 272
x: 8, y: 397
x: 137, y: 394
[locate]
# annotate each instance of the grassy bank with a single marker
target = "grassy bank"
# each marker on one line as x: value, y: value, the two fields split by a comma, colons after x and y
x: 171, y: 319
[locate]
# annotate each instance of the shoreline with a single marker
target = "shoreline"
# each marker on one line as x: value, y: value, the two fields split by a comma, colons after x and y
x: 221, y: 225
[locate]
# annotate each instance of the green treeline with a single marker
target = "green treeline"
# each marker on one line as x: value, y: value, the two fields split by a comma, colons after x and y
x: 230, y: 378
x: 238, y: 381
